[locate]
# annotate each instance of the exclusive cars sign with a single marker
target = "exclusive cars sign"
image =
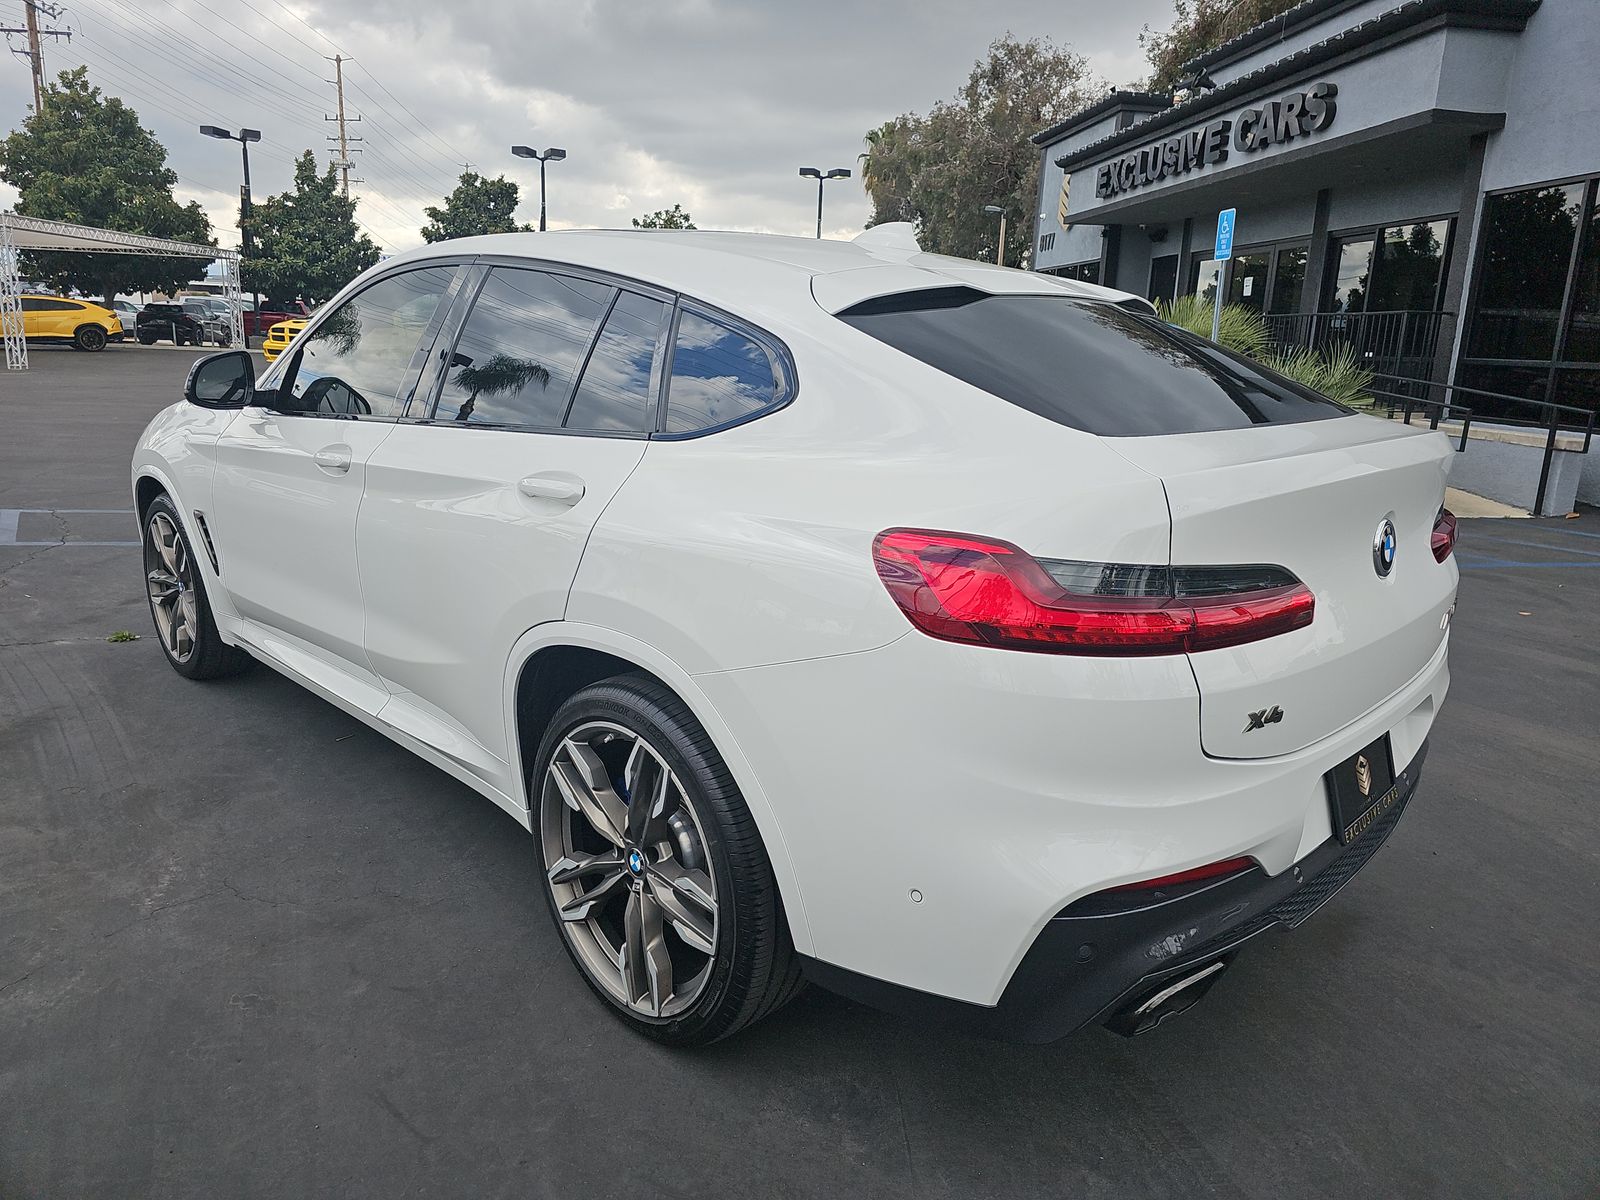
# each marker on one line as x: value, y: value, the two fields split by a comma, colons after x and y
x: 1274, y: 123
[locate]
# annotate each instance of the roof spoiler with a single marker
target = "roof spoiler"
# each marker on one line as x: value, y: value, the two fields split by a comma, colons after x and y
x: 893, y: 235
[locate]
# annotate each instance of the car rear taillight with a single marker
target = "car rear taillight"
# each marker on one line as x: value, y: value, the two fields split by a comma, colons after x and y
x: 1443, y: 540
x: 1216, y: 870
x: 972, y: 589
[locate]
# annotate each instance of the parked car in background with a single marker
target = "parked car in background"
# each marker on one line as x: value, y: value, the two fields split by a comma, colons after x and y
x: 215, y: 318
x: 128, y: 313
x: 169, y: 320
x: 258, y: 320
x: 964, y: 639
x: 77, y: 323
x: 280, y: 335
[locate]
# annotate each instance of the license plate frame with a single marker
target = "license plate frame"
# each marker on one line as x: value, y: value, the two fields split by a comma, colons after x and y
x: 1353, y: 809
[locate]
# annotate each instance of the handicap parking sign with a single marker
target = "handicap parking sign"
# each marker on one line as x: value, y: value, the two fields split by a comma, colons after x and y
x: 1225, y: 234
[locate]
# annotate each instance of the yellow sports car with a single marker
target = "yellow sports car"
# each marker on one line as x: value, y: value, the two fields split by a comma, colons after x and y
x: 76, y: 323
x: 279, y: 337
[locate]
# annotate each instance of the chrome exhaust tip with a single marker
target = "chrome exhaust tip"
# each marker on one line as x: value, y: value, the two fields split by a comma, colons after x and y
x: 1167, y: 999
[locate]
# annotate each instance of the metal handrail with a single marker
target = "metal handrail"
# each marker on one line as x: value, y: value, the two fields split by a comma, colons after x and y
x: 1551, y: 419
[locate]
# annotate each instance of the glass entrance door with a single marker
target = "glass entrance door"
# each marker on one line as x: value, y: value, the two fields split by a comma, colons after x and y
x: 1247, y: 281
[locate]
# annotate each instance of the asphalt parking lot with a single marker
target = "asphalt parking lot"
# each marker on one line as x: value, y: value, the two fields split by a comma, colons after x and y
x: 250, y: 948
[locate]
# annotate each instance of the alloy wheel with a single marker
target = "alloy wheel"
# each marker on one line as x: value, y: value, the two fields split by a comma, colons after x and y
x: 169, y: 577
x: 626, y: 859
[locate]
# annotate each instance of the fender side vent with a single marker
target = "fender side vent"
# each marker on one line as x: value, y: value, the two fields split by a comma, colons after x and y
x: 205, y: 536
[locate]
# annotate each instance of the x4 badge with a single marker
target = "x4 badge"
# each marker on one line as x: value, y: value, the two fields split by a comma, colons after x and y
x: 1260, y: 720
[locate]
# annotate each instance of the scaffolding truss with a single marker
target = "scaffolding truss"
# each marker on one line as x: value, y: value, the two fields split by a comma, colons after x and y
x: 18, y: 233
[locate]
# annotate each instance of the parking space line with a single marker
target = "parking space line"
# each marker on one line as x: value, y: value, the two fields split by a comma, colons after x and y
x: 1539, y: 546
x: 1466, y: 564
x: 11, y: 519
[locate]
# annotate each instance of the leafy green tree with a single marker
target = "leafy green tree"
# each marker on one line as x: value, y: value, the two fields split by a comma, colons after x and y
x: 1201, y: 25
x: 477, y: 206
x: 939, y: 171
x: 87, y: 160
x: 307, y: 243
x: 665, y: 218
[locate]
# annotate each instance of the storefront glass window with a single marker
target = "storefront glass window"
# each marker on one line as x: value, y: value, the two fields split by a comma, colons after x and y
x: 1352, y: 270
x: 1084, y: 272
x: 1583, y: 334
x: 1410, y: 267
x: 1290, y: 280
x: 1203, y: 279
x: 1527, y: 249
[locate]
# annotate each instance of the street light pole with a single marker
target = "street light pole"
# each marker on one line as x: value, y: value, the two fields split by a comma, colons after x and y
x: 813, y: 173
x: 554, y: 154
x: 246, y: 242
x: 1000, y: 250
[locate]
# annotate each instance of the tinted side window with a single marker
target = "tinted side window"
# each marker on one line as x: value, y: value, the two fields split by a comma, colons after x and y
x: 358, y: 360
x: 521, y: 348
x: 1086, y: 364
x: 718, y: 375
x: 32, y: 304
x: 618, y: 390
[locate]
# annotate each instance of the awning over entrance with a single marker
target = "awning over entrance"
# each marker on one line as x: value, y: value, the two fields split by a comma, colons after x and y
x: 19, y: 233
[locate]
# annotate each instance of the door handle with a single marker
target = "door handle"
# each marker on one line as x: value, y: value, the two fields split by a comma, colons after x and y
x: 332, y: 459
x: 551, y: 487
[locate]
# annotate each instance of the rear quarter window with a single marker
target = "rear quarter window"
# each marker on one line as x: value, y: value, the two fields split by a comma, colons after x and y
x: 1086, y: 364
x: 721, y: 375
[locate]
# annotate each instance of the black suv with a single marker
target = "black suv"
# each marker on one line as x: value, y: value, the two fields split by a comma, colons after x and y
x: 156, y: 321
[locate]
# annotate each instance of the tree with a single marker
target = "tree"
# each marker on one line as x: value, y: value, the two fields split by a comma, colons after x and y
x: 86, y: 159
x: 1201, y: 25
x: 665, y: 218
x: 477, y: 206
x: 939, y: 171
x: 306, y: 240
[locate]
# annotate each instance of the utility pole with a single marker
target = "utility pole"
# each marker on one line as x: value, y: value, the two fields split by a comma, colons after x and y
x: 35, y: 51
x: 344, y: 164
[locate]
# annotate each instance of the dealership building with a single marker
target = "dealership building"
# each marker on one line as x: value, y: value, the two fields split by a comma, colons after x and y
x: 1416, y: 179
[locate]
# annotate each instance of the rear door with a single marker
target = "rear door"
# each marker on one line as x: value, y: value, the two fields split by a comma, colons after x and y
x: 289, y: 480
x: 479, y: 506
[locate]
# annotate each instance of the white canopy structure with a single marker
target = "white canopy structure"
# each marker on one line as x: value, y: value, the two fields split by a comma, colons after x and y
x: 19, y: 233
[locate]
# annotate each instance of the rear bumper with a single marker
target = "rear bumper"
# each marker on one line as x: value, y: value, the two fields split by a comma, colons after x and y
x: 1100, y: 953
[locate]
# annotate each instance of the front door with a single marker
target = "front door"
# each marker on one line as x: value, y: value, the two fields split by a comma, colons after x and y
x: 289, y: 479
x: 474, y: 522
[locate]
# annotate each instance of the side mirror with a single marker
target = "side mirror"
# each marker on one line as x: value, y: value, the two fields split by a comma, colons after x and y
x: 226, y: 380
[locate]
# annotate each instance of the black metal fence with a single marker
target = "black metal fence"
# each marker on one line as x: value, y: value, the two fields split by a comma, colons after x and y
x: 1401, y: 343
x: 1404, y: 395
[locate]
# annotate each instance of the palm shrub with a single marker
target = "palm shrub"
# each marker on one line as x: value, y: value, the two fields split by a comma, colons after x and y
x: 1241, y: 329
x: 1338, y: 374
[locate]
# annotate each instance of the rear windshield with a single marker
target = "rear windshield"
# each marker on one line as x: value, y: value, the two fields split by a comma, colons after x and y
x: 1087, y: 364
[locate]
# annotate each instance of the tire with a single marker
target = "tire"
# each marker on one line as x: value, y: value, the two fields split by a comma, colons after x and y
x: 89, y: 337
x: 179, y: 607
x: 697, y: 842
x: 146, y: 341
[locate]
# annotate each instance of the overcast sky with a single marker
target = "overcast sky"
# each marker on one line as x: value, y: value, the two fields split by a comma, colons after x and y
x: 710, y: 104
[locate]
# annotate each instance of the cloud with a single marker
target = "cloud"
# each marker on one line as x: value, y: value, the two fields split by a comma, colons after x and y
x: 710, y: 104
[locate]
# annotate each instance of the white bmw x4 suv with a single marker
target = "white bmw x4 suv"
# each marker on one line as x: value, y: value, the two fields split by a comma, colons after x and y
x: 963, y: 639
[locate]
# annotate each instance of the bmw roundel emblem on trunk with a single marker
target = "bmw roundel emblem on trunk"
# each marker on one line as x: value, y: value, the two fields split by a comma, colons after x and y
x: 1383, y: 546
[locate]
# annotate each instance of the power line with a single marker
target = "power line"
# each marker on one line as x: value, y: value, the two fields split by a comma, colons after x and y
x: 440, y: 142
x: 35, y: 51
